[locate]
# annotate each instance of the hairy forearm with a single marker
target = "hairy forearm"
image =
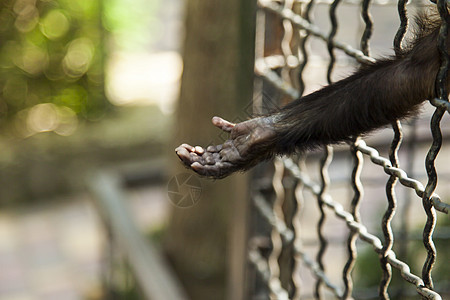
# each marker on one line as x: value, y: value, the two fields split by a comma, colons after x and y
x: 373, y: 97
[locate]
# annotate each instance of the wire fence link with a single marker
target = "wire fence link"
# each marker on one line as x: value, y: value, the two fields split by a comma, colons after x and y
x: 284, y: 72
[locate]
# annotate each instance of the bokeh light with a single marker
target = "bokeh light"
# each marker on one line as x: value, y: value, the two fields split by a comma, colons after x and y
x: 78, y: 58
x: 55, y: 24
x: 34, y: 60
x: 47, y: 117
x: 42, y: 117
x: 27, y: 15
x: 51, y: 52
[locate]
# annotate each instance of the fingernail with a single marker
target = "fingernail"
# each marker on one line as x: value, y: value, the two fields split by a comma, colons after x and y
x: 196, y: 165
x: 199, y: 149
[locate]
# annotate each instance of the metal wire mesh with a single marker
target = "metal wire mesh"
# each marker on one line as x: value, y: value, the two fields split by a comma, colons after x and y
x: 284, y: 72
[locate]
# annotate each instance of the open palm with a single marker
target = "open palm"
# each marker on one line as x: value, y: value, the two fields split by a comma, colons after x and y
x: 244, y: 149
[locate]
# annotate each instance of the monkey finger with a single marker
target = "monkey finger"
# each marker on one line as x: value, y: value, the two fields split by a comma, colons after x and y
x: 199, y: 150
x: 183, y: 154
x: 214, y: 148
x: 211, y: 149
x: 188, y: 157
x: 219, y: 170
x: 186, y: 146
x: 223, y: 124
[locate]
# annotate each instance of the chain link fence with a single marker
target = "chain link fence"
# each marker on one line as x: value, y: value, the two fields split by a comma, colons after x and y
x: 276, y: 249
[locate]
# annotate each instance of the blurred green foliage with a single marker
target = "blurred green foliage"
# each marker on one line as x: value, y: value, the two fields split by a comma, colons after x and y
x: 133, y: 24
x: 51, y: 52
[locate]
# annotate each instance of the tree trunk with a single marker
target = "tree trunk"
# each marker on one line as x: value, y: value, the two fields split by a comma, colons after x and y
x: 206, y: 243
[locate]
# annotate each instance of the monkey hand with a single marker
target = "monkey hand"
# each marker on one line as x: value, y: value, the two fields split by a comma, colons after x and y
x: 249, y: 143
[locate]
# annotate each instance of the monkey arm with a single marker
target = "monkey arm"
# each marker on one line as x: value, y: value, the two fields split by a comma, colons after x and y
x: 373, y: 97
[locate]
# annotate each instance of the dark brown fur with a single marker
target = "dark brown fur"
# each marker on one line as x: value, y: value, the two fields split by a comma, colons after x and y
x: 373, y: 97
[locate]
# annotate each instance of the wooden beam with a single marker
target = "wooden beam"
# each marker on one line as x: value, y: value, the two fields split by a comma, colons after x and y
x: 151, y: 272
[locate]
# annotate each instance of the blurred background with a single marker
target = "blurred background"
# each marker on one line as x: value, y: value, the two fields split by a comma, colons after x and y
x: 94, y: 97
x: 84, y: 86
